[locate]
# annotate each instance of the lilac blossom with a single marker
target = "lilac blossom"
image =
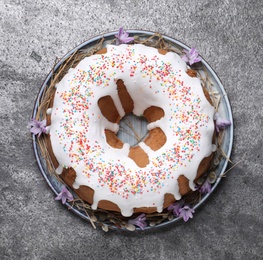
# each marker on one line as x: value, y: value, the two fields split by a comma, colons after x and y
x: 37, y: 127
x: 205, y: 187
x: 191, y: 56
x: 186, y: 212
x: 123, y: 37
x: 140, y: 221
x: 221, y: 123
x: 64, y: 195
x: 176, y: 207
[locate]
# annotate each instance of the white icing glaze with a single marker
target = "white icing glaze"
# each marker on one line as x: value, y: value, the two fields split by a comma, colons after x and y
x: 59, y: 170
x: 146, y: 148
x: 47, y: 129
x: 152, y: 79
x: 49, y: 111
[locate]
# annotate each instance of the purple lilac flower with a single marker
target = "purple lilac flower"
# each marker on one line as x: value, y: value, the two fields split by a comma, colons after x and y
x: 205, y: 187
x: 37, y: 127
x: 123, y: 37
x: 64, y: 195
x: 191, y: 56
x: 176, y: 207
x: 221, y: 123
x: 139, y: 221
x: 186, y: 212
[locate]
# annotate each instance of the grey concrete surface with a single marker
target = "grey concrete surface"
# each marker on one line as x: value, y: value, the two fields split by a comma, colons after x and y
x: 228, y: 34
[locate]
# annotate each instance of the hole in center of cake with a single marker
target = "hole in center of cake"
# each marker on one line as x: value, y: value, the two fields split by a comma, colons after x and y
x: 132, y: 129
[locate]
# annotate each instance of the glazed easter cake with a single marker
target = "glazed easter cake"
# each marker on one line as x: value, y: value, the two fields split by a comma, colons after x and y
x: 83, y: 121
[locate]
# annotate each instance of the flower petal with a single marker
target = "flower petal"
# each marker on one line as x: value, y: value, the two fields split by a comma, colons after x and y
x: 139, y: 221
x: 59, y: 196
x: 64, y: 195
x: 186, y: 212
x: 35, y: 130
x: 64, y: 198
x: 191, y: 56
x: 128, y: 39
x: 69, y: 196
x: 176, y: 207
x: 192, y: 51
x: 221, y: 123
x: 184, y: 58
x: 185, y: 217
x: 37, y: 127
x: 123, y: 37
x: 205, y: 187
x: 120, y: 33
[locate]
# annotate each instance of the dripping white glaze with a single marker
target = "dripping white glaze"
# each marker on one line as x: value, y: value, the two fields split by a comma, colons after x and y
x: 152, y: 79
x: 49, y: 111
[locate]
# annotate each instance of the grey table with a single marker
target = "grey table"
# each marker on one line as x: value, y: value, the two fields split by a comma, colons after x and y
x: 228, y: 34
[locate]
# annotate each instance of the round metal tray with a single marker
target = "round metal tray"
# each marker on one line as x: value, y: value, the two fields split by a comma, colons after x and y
x: 224, y: 110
